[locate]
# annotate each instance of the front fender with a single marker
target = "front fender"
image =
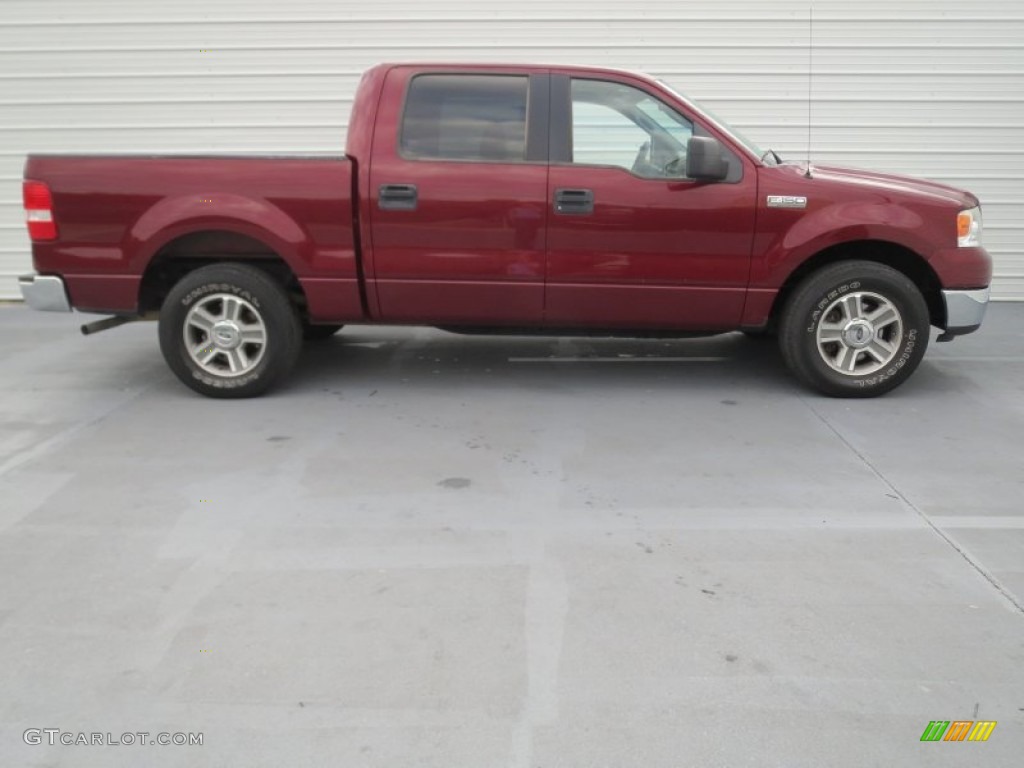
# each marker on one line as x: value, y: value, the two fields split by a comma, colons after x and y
x: 791, y: 237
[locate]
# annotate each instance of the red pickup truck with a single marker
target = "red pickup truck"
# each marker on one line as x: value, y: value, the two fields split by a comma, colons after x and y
x: 554, y: 200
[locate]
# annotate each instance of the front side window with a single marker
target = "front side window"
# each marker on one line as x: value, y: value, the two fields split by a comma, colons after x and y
x: 466, y: 117
x: 618, y: 125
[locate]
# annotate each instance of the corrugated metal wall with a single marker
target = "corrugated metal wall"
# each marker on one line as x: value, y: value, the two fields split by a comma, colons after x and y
x: 928, y: 88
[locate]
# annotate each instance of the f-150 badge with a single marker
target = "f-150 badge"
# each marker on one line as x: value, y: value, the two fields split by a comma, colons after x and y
x: 786, y: 201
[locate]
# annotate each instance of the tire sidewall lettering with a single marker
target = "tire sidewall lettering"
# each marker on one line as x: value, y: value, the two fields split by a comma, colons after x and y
x: 218, y: 382
x: 823, y: 303
x: 197, y: 293
x: 908, y: 352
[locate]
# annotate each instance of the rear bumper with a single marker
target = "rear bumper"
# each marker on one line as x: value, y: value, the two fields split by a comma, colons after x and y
x: 45, y: 292
x: 965, y: 310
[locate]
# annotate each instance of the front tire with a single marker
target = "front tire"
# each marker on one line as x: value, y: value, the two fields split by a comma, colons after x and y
x: 854, y: 329
x: 229, y: 331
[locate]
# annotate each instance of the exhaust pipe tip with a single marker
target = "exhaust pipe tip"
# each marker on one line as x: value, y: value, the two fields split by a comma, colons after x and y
x: 106, y: 324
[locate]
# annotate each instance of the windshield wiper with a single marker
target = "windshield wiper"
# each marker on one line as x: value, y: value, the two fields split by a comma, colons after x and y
x: 774, y: 154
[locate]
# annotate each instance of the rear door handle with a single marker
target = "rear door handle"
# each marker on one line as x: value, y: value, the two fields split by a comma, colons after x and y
x: 397, y: 197
x: 574, y: 202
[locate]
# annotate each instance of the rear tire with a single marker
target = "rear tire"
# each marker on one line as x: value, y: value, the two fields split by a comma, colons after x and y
x: 854, y: 329
x: 229, y: 331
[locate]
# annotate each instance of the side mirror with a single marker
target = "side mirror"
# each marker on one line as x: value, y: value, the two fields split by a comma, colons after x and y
x: 705, y: 159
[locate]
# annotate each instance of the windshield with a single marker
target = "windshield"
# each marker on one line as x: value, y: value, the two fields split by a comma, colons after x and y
x: 721, y: 124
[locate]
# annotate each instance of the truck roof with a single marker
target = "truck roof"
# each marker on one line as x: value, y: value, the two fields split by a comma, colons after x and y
x: 521, y: 66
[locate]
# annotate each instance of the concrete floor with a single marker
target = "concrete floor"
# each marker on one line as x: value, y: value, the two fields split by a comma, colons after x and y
x: 431, y: 550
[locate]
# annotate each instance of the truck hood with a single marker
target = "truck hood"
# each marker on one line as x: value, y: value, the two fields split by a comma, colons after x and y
x: 889, y: 184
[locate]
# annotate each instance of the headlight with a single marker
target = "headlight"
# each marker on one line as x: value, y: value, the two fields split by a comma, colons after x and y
x: 968, y: 228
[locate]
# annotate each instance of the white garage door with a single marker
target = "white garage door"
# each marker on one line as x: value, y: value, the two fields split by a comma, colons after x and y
x: 934, y: 89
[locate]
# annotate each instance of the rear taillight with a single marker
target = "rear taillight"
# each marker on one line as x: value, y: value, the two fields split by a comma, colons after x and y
x: 39, y: 211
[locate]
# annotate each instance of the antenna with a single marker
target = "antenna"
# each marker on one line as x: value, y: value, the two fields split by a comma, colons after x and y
x: 810, y: 76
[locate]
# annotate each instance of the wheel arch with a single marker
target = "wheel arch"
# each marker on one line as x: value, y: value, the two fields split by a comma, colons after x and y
x: 891, y: 254
x: 187, y: 251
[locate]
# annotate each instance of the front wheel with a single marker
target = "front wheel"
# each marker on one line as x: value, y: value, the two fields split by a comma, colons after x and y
x: 854, y: 329
x: 229, y: 330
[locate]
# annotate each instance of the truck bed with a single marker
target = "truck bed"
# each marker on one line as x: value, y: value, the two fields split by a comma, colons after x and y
x: 116, y: 214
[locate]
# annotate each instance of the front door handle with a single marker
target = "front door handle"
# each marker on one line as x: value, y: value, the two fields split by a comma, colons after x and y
x: 574, y: 202
x: 397, y: 197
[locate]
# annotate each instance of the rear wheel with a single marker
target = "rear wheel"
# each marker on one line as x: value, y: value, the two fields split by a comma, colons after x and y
x: 854, y: 329
x: 229, y: 330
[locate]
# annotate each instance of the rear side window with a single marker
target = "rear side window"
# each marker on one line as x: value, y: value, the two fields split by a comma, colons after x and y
x: 466, y: 117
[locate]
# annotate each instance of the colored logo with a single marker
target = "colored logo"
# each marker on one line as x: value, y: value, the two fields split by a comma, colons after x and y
x: 958, y: 730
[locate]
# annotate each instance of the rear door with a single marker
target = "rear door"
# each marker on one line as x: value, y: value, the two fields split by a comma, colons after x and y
x: 458, y: 186
x: 632, y: 242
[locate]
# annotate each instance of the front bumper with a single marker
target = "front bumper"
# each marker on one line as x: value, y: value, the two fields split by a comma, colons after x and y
x: 45, y: 292
x: 965, y: 310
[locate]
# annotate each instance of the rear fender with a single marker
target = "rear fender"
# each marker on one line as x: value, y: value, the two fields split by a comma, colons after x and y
x: 258, y: 219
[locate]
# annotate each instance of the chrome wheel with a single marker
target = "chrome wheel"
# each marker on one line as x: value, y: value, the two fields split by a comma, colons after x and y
x: 859, y: 333
x: 225, y: 335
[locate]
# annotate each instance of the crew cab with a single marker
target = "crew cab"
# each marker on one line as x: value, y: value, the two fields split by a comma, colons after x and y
x: 527, y: 199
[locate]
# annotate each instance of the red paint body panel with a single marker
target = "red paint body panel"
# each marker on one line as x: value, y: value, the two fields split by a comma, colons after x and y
x: 116, y: 213
x: 847, y: 206
x: 473, y: 250
x: 654, y: 253
x: 964, y: 268
x: 484, y: 245
x: 103, y: 293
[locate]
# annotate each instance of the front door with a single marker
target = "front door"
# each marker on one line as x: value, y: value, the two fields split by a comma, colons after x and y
x: 632, y: 242
x: 458, y: 187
